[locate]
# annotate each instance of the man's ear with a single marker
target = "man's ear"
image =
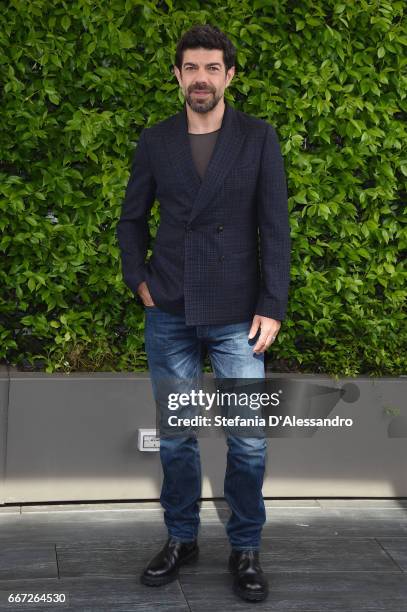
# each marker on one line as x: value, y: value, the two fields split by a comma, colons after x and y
x: 177, y: 74
x: 229, y: 75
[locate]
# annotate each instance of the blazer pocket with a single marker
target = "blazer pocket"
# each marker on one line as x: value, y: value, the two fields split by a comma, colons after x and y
x: 246, y: 251
x: 242, y: 168
x: 168, y: 250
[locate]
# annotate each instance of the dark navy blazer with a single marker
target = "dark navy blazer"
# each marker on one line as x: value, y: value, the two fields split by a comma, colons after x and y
x: 225, y: 239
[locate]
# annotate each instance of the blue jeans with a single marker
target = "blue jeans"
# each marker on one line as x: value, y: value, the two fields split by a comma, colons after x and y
x: 175, y: 350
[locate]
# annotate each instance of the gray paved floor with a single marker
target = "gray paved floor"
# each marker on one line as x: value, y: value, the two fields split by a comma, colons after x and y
x: 319, y: 555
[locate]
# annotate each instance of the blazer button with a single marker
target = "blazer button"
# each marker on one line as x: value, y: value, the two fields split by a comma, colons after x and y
x: 222, y: 258
x: 220, y: 228
x: 188, y: 228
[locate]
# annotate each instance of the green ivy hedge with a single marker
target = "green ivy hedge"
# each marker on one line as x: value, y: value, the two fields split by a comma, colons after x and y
x: 80, y: 79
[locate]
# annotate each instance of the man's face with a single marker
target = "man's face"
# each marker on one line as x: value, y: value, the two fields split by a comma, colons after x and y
x: 203, y: 79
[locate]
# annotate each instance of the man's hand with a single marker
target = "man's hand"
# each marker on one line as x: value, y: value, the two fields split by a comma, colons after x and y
x: 144, y: 293
x: 268, y: 332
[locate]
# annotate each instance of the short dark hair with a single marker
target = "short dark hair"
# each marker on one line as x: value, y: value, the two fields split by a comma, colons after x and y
x: 208, y: 37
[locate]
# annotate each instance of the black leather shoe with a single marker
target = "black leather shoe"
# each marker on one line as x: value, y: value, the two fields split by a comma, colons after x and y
x: 164, y: 567
x: 250, y: 582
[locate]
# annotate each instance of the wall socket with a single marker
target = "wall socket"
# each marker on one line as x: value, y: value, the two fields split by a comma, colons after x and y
x: 148, y: 440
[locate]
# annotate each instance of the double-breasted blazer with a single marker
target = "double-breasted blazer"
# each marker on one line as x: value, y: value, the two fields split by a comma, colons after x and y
x: 225, y: 239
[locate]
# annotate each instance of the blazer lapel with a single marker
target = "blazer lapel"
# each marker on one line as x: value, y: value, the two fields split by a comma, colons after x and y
x: 226, y: 150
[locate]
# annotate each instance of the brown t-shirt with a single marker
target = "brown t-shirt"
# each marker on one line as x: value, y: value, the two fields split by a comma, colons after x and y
x: 202, y: 146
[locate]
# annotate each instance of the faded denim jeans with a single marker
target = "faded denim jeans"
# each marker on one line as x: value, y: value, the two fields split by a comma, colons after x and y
x: 175, y: 350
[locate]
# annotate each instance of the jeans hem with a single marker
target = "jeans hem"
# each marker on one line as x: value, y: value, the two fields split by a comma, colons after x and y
x: 248, y: 547
x: 182, y: 540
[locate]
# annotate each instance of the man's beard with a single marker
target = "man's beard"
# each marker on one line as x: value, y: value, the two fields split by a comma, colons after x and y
x: 202, y: 106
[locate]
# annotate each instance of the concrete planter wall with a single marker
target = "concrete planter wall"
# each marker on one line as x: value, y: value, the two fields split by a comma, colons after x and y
x: 74, y: 437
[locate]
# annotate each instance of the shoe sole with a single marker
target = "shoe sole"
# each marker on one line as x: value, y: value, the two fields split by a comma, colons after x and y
x: 249, y: 596
x: 161, y: 580
x: 246, y: 594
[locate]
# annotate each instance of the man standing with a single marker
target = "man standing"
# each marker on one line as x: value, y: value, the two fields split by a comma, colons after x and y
x: 218, y: 277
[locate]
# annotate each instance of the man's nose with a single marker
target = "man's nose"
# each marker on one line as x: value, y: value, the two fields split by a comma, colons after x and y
x: 201, y: 76
x: 201, y: 84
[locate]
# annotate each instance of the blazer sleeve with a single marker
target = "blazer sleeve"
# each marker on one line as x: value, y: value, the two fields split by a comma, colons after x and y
x: 274, y: 231
x: 132, y: 229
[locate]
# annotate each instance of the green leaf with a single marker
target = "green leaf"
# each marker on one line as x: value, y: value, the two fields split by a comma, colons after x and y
x: 66, y: 22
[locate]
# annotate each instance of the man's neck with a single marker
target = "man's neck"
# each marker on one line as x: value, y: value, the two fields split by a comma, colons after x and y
x: 202, y: 123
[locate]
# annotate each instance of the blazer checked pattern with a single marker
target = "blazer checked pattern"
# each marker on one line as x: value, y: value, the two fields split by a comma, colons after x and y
x: 223, y: 242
